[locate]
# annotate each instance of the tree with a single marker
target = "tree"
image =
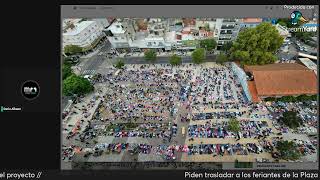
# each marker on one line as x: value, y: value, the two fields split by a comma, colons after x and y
x: 222, y: 58
x: 150, y: 55
x: 198, y: 55
x: 72, y: 49
x: 303, y: 36
x: 227, y: 46
x: 207, y: 27
x: 257, y: 45
x: 287, y: 22
x: 76, y: 85
x: 208, y: 44
x: 283, y: 24
x: 234, y: 125
x: 66, y: 71
x: 175, y: 60
x: 290, y: 119
x: 288, y: 150
x: 119, y: 64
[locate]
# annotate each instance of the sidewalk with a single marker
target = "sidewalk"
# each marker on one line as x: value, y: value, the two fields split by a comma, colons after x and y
x: 162, y: 54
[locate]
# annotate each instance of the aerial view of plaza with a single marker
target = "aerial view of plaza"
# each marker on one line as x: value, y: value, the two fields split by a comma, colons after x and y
x: 189, y: 90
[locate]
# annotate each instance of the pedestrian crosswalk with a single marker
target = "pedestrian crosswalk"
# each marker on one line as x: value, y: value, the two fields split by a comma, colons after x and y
x: 88, y: 72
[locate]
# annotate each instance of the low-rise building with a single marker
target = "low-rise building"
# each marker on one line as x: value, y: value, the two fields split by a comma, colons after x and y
x: 283, y: 31
x: 102, y: 22
x: 250, y: 22
x: 82, y: 33
x: 309, y: 64
x: 277, y: 80
x: 117, y: 36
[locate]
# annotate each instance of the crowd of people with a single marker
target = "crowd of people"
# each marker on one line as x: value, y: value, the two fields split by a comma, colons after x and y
x: 225, y: 149
x: 218, y: 115
x: 215, y: 85
x: 307, y: 112
x: 248, y: 129
x: 145, y: 130
x: 149, y: 96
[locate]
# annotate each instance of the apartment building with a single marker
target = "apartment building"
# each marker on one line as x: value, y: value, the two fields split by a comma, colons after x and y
x: 226, y: 30
x: 249, y: 22
x: 81, y: 33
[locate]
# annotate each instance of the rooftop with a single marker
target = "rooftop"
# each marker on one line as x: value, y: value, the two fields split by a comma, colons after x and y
x: 253, y: 91
x: 79, y: 27
x: 308, y: 63
x: 252, y: 20
x: 275, y: 67
x: 285, y: 82
x: 170, y: 36
x: 116, y: 28
x: 281, y: 79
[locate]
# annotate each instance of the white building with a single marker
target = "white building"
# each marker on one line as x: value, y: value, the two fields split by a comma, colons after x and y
x: 226, y: 30
x: 309, y: 64
x: 250, y: 22
x: 102, y: 22
x: 283, y: 31
x: 117, y: 36
x: 82, y: 34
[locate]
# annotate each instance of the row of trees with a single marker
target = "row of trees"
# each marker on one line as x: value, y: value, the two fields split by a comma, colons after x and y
x: 254, y: 46
x: 198, y: 56
x: 300, y: 98
x: 72, y: 49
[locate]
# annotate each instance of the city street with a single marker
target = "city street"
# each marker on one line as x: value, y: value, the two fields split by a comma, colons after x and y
x: 91, y: 64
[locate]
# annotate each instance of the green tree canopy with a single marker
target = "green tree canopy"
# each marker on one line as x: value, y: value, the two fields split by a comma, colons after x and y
x: 207, y: 27
x: 175, y: 60
x: 304, y: 36
x: 226, y: 46
x: 291, y: 119
x: 150, y: 55
x: 234, y: 125
x: 257, y: 45
x: 208, y: 44
x: 198, y: 55
x: 288, y: 150
x: 287, y: 22
x: 119, y: 63
x: 66, y: 71
x: 72, y: 49
x: 222, y: 58
x: 76, y: 85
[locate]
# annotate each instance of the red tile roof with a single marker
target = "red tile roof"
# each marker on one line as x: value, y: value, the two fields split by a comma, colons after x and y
x: 275, y: 67
x: 252, y: 20
x: 285, y: 82
x: 253, y: 91
x: 282, y: 79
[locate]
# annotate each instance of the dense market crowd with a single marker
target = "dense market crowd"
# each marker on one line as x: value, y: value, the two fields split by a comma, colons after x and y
x: 248, y: 129
x: 307, y: 111
x: 148, y: 96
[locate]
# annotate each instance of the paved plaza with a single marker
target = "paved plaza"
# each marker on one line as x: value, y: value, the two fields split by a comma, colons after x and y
x: 162, y: 113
